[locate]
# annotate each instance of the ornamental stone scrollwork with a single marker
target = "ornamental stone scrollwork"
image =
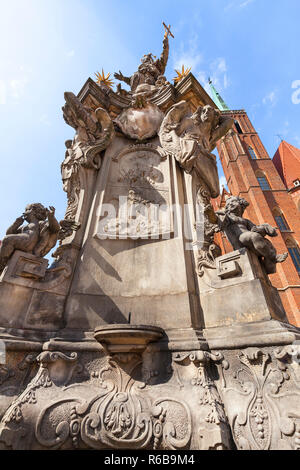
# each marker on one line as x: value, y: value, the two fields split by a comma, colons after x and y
x: 14, y: 377
x: 214, y: 431
x: 15, y: 429
x: 264, y: 386
x: 113, y: 409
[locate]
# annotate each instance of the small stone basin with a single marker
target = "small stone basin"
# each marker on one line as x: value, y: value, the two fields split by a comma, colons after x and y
x: 127, y: 338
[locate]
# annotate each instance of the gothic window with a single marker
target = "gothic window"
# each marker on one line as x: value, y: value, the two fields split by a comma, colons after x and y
x: 295, y: 255
x: 238, y: 127
x: 263, y: 182
x: 280, y: 220
x: 252, y: 153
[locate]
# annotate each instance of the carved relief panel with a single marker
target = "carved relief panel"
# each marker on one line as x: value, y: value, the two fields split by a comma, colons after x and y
x: 138, y: 197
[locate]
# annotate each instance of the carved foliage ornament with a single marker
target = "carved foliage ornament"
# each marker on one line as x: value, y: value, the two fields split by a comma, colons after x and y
x: 264, y: 388
x: 112, y: 411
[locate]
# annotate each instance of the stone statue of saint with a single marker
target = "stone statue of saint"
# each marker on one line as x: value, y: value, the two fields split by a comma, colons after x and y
x: 190, y: 138
x: 242, y: 233
x: 149, y: 70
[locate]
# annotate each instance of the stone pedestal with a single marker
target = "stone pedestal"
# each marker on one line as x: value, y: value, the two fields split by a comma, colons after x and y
x: 238, y: 291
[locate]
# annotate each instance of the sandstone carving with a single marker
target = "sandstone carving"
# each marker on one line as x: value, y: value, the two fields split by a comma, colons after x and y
x: 38, y: 237
x: 140, y: 335
x: 264, y: 386
x: 140, y: 122
x: 242, y: 232
x: 94, y: 132
x: 191, y: 137
x: 150, y: 70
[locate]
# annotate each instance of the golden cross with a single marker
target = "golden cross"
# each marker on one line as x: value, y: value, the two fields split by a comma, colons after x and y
x: 168, y: 29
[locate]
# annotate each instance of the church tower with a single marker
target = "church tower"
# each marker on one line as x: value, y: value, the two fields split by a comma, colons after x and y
x: 251, y: 174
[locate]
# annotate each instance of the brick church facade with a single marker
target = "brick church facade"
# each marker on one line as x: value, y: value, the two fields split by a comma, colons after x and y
x: 251, y: 174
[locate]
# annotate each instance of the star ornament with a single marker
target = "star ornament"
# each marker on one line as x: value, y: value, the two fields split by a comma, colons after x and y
x: 104, y: 79
x: 181, y: 74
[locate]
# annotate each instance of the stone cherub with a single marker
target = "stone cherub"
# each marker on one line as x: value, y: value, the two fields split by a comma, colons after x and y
x: 190, y: 138
x: 242, y: 233
x: 38, y: 237
x: 150, y: 70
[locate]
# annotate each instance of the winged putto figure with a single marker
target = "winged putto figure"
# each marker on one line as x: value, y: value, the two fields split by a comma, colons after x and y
x: 38, y: 236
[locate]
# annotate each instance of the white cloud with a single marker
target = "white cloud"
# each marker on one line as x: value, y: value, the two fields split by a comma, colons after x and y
x: 271, y: 98
x: 17, y: 87
x: 45, y: 120
x: 245, y: 3
x: 2, y: 92
x: 222, y: 182
x: 297, y: 140
x: 217, y: 71
x: 70, y: 53
x: 189, y: 55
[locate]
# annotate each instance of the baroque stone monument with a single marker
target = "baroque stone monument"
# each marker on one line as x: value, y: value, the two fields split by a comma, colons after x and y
x: 140, y: 335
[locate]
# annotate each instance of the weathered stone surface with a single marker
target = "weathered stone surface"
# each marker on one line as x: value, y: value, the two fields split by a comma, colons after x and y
x: 242, y: 232
x: 190, y: 349
x: 260, y: 391
x: 238, y: 291
x: 140, y: 123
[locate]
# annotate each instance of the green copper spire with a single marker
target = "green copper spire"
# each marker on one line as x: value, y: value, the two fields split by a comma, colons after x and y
x: 217, y: 98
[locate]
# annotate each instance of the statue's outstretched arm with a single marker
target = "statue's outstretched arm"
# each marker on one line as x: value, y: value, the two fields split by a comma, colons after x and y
x: 161, y: 63
x: 54, y: 226
x: 120, y: 76
x: 14, y: 228
x: 223, y: 219
x: 225, y: 124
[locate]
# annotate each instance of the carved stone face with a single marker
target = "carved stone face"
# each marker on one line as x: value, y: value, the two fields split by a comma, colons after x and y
x: 34, y: 211
x: 207, y: 114
x: 147, y: 59
x: 234, y: 206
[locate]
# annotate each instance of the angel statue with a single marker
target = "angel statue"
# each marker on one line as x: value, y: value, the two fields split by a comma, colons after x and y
x: 38, y: 237
x: 94, y: 132
x: 242, y: 232
x: 190, y: 138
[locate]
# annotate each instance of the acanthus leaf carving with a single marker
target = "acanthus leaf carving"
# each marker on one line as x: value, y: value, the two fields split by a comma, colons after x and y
x: 265, y: 391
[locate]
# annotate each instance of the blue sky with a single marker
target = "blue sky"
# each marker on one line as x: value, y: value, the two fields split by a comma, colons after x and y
x: 250, y: 48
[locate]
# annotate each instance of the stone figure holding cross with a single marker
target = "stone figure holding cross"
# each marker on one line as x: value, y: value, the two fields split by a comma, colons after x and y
x: 150, y: 70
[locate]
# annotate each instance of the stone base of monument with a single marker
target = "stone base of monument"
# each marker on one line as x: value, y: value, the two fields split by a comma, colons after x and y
x: 232, y: 385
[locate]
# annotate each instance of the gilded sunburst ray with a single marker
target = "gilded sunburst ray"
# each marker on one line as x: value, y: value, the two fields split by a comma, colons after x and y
x: 104, y: 79
x: 181, y: 74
